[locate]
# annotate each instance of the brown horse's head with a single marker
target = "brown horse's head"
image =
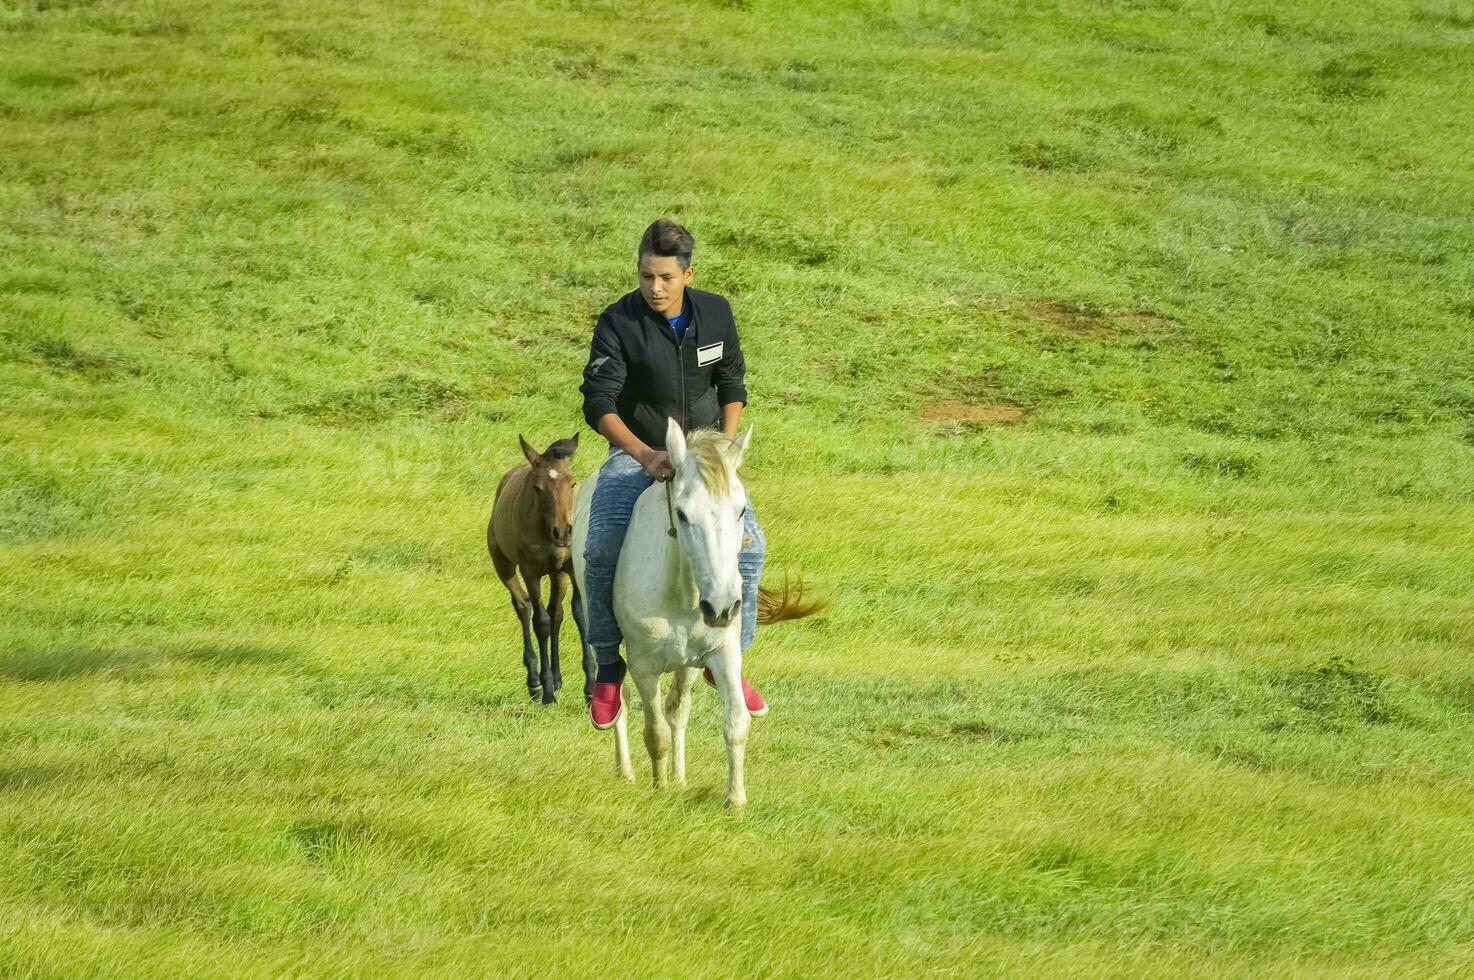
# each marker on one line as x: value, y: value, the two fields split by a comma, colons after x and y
x: 552, y: 487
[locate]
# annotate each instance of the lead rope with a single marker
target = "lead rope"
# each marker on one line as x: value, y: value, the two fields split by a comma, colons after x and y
x: 670, y: 510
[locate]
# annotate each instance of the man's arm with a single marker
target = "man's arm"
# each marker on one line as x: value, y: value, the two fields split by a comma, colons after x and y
x: 603, y: 380
x: 729, y: 378
x: 731, y: 419
x: 654, y: 461
x: 603, y: 375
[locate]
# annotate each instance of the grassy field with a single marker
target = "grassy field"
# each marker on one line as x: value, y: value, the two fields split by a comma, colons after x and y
x: 1112, y: 374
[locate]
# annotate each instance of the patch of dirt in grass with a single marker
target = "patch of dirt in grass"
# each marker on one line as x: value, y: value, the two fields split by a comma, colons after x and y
x: 586, y: 68
x: 1146, y: 320
x: 894, y: 736
x: 956, y: 410
x: 1083, y: 319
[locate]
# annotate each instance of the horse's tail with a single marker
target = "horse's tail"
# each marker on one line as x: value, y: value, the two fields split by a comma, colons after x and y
x: 776, y: 605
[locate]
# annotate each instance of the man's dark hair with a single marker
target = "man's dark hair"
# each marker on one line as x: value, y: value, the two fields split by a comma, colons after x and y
x: 665, y: 237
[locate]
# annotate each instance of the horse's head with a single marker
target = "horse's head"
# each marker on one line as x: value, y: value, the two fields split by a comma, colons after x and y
x: 709, y: 502
x: 552, y: 487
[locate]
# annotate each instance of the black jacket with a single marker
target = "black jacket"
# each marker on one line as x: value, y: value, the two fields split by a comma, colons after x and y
x: 638, y: 371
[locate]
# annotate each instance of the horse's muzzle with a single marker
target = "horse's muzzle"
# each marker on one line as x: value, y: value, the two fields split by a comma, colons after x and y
x: 719, y: 620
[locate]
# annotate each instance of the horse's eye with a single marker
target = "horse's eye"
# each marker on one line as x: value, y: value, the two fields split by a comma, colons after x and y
x: 681, y: 514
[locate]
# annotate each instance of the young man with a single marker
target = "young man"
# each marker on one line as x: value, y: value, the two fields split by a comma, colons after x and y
x: 662, y: 350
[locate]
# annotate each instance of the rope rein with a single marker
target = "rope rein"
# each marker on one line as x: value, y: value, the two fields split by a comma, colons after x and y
x: 670, y: 510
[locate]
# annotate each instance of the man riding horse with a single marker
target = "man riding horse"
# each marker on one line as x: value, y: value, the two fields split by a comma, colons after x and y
x: 662, y: 351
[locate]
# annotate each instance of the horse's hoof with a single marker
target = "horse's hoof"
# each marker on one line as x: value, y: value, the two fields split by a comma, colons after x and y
x: 558, y: 684
x: 736, y: 802
x: 536, y: 693
x: 548, y: 698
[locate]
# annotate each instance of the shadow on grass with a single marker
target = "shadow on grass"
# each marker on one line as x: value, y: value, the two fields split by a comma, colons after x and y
x: 24, y: 777
x: 66, y: 663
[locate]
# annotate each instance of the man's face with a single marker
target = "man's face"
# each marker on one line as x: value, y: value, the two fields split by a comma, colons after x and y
x: 663, y: 283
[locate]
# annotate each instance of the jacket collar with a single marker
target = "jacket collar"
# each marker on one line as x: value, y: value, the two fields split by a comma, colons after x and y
x: 649, y: 313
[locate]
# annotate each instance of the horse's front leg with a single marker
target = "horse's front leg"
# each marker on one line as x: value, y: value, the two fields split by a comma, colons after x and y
x: 542, y: 626
x: 678, y: 713
x: 657, y: 731
x: 557, y: 588
x: 522, y: 606
x: 580, y: 619
x: 726, y: 669
x: 623, y: 768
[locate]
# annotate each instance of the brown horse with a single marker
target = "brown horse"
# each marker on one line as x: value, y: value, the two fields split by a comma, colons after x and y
x: 529, y: 532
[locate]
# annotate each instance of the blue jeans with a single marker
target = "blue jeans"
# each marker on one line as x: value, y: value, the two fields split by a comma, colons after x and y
x: 621, y: 481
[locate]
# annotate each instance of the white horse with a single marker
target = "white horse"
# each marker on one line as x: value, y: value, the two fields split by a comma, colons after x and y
x: 677, y: 599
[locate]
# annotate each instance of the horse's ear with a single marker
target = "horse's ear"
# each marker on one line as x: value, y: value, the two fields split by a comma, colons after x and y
x: 573, y: 444
x: 528, y: 451
x: 675, y: 442
x: 738, y: 448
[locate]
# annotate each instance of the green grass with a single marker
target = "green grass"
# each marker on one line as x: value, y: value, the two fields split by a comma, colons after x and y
x: 1171, y: 676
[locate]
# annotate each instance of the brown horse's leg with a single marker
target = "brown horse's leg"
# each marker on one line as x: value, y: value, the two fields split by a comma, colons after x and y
x: 557, y: 589
x: 507, y: 572
x: 541, y: 626
x: 589, y: 667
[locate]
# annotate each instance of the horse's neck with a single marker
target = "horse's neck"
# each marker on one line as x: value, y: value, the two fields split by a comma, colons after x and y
x: 671, y: 574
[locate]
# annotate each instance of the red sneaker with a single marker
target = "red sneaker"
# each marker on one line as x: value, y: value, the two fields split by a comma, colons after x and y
x: 756, y: 706
x: 606, y: 705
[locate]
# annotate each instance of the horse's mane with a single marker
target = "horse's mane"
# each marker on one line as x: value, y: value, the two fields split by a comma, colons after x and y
x: 708, y: 449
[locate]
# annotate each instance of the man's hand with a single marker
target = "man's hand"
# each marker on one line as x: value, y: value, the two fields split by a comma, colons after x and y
x: 653, y: 461
x: 656, y: 462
